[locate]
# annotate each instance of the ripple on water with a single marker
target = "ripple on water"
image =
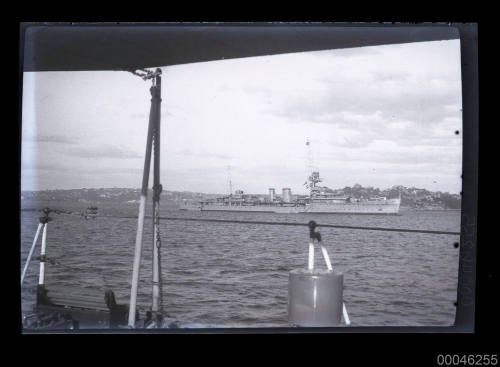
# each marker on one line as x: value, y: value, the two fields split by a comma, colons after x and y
x: 224, y: 274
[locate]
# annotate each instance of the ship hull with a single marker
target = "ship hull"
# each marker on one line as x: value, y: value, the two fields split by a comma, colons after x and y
x: 390, y: 206
x: 386, y: 207
x: 252, y: 208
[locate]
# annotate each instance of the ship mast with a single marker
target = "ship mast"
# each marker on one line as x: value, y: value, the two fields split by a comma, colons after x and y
x: 313, y: 177
x: 152, y: 151
x: 310, y: 165
x: 229, y: 179
x: 230, y: 184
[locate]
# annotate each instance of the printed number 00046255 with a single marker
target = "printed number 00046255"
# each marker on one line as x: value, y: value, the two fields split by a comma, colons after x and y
x: 467, y: 359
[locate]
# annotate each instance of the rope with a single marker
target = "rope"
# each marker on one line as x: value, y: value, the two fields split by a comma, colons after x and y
x: 46, y: 211
x: 404, y: 230
x: 319, y: 225
x: 158, y: 245
x: 160, y: 277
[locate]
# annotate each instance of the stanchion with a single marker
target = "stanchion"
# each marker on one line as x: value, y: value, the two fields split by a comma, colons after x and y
x: 41, y: 278
x: 40, y: 225
x: 44, y: 220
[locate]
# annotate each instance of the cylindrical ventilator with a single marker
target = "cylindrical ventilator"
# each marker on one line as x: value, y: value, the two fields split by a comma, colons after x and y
x: 315, y: 297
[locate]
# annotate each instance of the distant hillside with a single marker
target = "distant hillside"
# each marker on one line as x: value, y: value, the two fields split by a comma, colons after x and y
x: 410, y: 197
x: 106, y: 195
x: 78, y: 199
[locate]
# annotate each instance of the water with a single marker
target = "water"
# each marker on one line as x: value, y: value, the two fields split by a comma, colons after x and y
x: 236, y: 275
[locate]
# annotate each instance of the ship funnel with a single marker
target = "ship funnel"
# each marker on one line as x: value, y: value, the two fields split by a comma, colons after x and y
x: 272, y: 194
x: 287, y: 195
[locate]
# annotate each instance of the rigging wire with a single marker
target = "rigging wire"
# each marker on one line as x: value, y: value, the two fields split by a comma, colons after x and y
x: 407, y: 230
x: 54, y: 261
x: 404, y: 230
x: 57, y: 262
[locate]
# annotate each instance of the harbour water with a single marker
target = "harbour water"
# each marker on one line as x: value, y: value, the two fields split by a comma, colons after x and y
x: 236, y: 275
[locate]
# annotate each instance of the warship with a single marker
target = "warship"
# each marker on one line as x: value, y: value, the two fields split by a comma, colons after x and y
x: 321, y: 199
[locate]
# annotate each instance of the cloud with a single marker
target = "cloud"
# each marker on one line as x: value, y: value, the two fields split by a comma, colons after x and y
x: 39, y: 165
x: 416, y: 85
x: 190, y: 153
x: 138, y: 115
x: 390, y: 76
x: 394, y: 107
x: 219, y: 156
x: 421, y: 101
x: 184, y: 152
x: 58, y: 139
x: 103, y: 151
x: 407, y: 156
x: 378, y: 115
x: 106, y: 170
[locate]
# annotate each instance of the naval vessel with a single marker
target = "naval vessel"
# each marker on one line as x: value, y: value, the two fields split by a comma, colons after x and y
x: 320, y: 200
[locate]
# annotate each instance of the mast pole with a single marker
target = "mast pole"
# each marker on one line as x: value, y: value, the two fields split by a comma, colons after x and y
x: 309, y: 157
x: 230, y: 184
x: 142, y: 208
x: 157, y: 188
x: 310, y: 166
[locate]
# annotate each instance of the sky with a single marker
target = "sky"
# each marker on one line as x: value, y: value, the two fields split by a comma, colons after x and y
x: 378, y: 116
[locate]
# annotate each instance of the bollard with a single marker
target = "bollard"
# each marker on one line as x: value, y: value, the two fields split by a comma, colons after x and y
x: 315, y: 298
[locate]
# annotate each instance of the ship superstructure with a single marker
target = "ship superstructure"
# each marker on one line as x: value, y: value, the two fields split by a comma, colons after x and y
x: 321, y: 199
x: 239, y: 201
